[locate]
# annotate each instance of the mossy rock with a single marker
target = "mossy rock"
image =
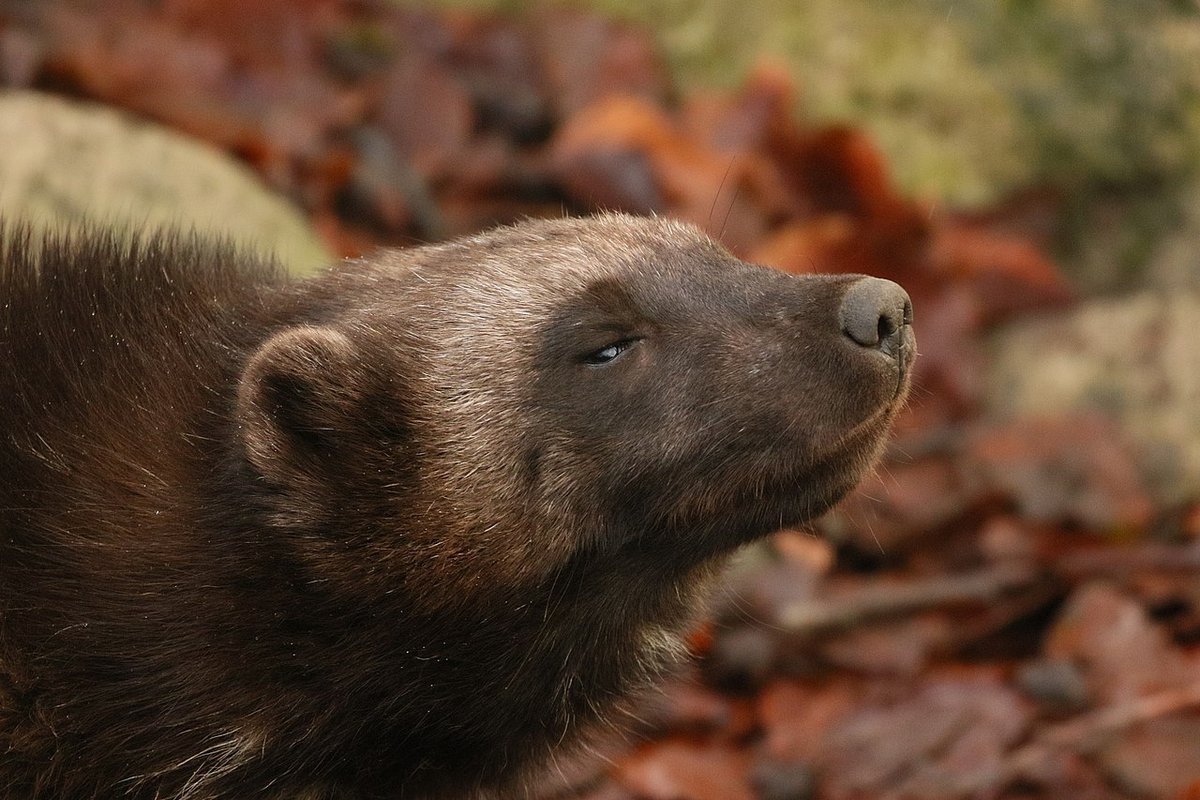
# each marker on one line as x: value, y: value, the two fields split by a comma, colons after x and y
x: 64, y: 164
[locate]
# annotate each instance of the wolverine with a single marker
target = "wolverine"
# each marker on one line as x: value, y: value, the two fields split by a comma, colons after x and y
x: 403, y: 528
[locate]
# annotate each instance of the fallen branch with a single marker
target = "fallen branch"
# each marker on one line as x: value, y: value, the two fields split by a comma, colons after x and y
x: 1127, y: 560
x: 1087, y: 732
x: 885, y: 601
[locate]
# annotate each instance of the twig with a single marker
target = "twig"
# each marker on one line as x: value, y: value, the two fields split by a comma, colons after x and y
x: 886, y: 601
x: 1130, y: 559
x: 1085, y: 732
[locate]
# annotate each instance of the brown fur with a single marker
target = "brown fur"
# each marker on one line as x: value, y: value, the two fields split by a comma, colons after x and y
x: 386, y: 532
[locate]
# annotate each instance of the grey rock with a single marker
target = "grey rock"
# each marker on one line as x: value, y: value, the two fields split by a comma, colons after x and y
x: 65, y: 163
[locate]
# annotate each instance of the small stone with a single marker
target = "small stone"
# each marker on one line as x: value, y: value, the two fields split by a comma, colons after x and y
x: 775, y: 780
x: 1057, y: 684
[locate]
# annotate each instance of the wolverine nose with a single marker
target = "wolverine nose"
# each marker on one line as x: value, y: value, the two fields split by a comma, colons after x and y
x: 874, y: 312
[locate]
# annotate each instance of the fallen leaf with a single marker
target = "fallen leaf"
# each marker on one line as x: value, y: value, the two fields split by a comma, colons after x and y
x: 1158, y: 759
x: 1120, y: 652
x: 1072, y: 468
x: 677, y: 769
x: 947, y: 741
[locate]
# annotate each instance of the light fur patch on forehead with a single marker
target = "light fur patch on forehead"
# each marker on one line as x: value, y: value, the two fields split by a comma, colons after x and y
x: 492, y: 293
x: 537, y: 263
x: 528, y: 268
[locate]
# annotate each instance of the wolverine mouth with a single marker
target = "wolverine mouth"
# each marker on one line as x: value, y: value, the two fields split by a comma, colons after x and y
x: 788, y: 498
x: 906, y: 354
x: 798, y: 494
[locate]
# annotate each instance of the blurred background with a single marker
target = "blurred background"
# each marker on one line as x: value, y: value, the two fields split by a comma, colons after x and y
x: 1010, y: 606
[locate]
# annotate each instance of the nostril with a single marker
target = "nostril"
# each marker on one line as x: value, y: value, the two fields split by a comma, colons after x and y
x: 873, y: 311
x: 887, y: 326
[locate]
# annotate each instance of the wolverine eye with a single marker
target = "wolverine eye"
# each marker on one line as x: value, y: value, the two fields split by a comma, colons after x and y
x: 609, y: 354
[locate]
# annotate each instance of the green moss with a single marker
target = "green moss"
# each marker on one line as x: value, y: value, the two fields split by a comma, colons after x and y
x: 969, y: 99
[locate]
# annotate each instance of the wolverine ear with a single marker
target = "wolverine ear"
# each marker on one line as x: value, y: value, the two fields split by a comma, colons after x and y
x: 297, y: 399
